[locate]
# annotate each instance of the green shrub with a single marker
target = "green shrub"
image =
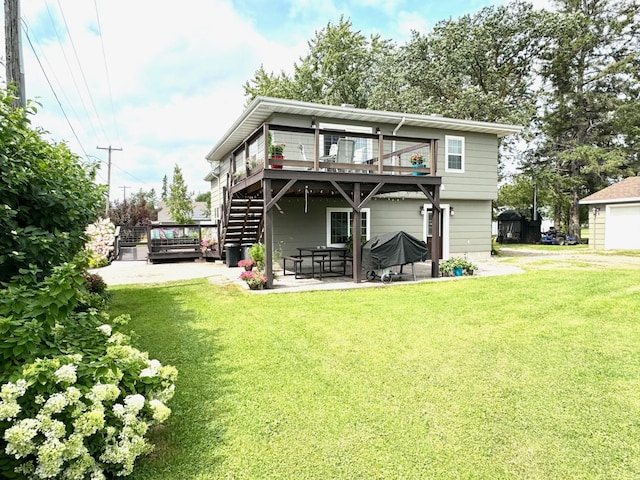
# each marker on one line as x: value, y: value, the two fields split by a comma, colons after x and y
x: 76, y: 398
x: 47, y: 197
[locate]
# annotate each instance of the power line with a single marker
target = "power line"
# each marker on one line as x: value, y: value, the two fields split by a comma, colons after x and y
x: 106, y: 69
x: 84, y: 78
x: 73, y: 78
x: 26, y: 33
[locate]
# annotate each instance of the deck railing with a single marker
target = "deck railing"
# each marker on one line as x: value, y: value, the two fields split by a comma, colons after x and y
x: 315, y: 149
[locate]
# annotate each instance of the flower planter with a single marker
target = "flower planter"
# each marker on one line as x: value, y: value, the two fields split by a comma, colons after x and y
x: 276, y: 157
x: 457, y: 271
x: 419, y: 174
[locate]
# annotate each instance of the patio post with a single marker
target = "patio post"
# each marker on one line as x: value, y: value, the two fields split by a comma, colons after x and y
x: 436, y: 234
x: 356, y: 232
x: 268, y: 231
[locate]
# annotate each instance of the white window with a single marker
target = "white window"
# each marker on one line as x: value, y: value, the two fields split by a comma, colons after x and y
x: 454, y: 154
x: 339, y: 225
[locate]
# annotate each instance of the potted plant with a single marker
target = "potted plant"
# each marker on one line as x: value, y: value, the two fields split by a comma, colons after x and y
x: 255, y: 280
x: 247, y: 263
x: 276, y: 150
x: 417, y: 160
x: 256, y: 252
x: 457, y: 266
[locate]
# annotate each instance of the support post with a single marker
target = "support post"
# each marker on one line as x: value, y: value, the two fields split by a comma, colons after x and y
x: 436, y: 234
x: 356, y: 231
x: 268, y: 231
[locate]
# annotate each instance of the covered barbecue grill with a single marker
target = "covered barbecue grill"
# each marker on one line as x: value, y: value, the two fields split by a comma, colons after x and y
x: 390, y: 250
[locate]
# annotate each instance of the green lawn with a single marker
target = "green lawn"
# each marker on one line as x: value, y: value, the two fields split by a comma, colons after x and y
x: 526, y: 376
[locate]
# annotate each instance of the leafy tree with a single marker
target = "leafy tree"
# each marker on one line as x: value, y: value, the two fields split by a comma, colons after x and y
x: 139, y: 209
x: 179, y: 200
x: 590, y: 73
x: 47, y: 197
x: 205, y: 197
x: 338, y: 69
x: 478, y: 67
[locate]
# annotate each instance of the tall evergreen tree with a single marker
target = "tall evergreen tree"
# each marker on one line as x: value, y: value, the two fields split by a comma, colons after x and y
x: 179, y: 200
x: 165, y: 188
x: 590, y: 71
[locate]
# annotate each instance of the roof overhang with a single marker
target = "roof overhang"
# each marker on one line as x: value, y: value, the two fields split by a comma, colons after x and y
x: 609, y: 200
x: 259, y: 111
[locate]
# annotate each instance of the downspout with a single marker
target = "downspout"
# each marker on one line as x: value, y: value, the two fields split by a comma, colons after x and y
x: 395, y: 130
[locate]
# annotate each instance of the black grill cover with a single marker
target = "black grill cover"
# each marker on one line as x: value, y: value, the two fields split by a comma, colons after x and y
x: 395, y: 248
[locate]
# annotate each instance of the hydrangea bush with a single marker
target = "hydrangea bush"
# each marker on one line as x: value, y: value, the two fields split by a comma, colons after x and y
x: 100, y: 242
x: 76, y: 418
x: 76, y: 398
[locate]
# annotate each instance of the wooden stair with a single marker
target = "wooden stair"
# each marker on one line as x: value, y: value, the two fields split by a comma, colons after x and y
x: 244, y: 221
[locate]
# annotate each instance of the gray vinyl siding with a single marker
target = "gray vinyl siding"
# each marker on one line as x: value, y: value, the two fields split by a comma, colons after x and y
x: 469, y: 228
x: 480, y: 178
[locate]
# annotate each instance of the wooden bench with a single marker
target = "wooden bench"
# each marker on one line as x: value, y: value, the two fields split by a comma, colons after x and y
x: 174, y: 248
x: 297, y: 265
x: 330, y: 262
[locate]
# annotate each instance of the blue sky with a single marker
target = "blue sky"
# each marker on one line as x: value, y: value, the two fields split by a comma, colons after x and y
x: 164, y: 79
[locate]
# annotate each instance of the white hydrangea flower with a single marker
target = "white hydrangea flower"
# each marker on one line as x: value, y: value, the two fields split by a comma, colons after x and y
x: 105, y: 329
x: 50, y: 427
x: 19, y: 437
x: 66, y: 374
x: 73, y: 395
x: 89, y: 422
x: 9, y: 410
x: 50, y: 458
x: 11, y: 391
x: 159, y: 410
x: 118, y: 410
x: 134, y: 403
x: 103, y: 392
x: 152, y: 370
x: 54, y: 404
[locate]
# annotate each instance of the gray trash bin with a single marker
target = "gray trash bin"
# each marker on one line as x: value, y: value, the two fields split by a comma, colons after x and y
x: 232, y: 254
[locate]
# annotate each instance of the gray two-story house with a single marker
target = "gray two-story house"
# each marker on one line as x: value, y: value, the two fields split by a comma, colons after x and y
x: 292, y: 173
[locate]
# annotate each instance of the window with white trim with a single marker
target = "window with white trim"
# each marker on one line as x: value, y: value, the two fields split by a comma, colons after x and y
x: 454, y: 154
x: 339, y: 225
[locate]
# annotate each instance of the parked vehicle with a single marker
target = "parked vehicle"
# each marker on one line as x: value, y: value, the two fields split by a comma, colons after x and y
x: 555, y: 237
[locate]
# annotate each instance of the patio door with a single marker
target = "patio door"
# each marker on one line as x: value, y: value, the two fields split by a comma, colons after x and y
x: 427, y: 228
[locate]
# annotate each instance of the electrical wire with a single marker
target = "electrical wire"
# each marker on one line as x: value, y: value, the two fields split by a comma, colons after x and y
x: 84, y: 78
x: 106, y: 69
x: 26, y: 34
x: 73, y: 78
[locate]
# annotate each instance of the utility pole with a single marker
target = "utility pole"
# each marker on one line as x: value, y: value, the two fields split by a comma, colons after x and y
x: 110, y: 148
x: 124, y: 192
x: 13, y: 51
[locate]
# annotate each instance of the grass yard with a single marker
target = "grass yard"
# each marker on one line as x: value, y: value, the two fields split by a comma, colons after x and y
x: 531, y: 376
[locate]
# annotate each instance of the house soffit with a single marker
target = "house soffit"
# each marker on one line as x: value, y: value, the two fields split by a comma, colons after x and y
x: 263, y: 107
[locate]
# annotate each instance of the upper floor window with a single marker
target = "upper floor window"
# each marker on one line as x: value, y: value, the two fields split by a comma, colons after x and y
x: 454, y: 154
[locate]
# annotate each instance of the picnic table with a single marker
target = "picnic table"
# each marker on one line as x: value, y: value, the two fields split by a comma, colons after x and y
x: 326, y: 258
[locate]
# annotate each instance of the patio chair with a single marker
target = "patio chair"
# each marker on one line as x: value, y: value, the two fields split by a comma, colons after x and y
x: 346, y: 149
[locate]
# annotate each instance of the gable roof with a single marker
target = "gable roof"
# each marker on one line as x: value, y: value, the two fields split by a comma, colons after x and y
x: 263, y: 107
x: 627, y: 190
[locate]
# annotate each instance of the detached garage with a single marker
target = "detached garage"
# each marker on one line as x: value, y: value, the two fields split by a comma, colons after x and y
x: 614, y: 216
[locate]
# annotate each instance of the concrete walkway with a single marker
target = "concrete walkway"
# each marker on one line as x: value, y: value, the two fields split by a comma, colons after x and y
x: 139, y: 272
